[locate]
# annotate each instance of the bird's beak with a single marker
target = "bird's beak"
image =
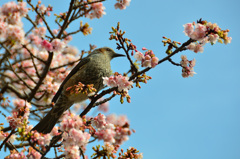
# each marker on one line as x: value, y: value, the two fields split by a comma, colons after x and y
x: 117, y: 55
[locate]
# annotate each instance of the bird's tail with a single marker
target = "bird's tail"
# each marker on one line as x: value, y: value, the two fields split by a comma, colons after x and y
x: 47, y: 123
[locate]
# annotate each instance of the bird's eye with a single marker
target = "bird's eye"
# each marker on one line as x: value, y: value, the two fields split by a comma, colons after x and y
x: 108, y: 49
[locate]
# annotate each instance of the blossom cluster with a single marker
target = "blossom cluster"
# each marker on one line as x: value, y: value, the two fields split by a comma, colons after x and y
x: 41, y: 139
x: 112, y: 129
x: 3, y: 135
x: 20, y: 114
x: 122, y: 82
x: 15, y: 154
x: 122, y: 4
x: 148, y: 59
x: 187, y: 66
x: 12, y: 12
x: 11, y: 30
x: 56, y: 45
x: 97, y: 10
x: 32, y: 153
x: 73, y: 135
x: 205, y: 32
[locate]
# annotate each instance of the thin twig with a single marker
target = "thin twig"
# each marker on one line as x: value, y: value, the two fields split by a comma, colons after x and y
x: 82, y: 152
x: 28, y: 75
x: 94, y: 99
x: 5, y: 140
x: 174, y: 63
x: 43, y: 18
x: 75, y: 32
x: 10, y: 65
x: 7, y: 53
x: 29, y: 51
x: 42, y: 77
x: 181, y: 48
x: 14, y: 90
x: 70, y: 63
x: 105, y: 100
x: 65, y: 24
x: 126, y: 51
x: 80, y: 5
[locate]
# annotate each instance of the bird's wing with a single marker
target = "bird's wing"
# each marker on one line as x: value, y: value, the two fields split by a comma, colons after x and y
x: 74, y: 70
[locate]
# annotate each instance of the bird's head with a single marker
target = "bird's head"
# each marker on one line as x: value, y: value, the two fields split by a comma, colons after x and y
x: 109, y: 52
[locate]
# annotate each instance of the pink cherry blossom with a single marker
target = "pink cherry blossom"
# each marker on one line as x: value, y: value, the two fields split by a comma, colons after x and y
x: 227, y: 40
x: 107, y: 135
x: 213, y: 38
x: 75, y: 137
x: 46, y: 45
x: 42, y: 8
x: 41, y: 139
x: 109, y: 147
x: 138, y: 56
x: 11, y: 8
x: 15, y: 33
x: 200, y: 32
x: 196, y: 47
x: 148, y: 59
x: 114, y: 130
x: 122, y: 4
x: 58, y: 45
x: 122, y: 82
x: 187, y: 66
x: 35, y: 39
x: 97, y: 11
x: 3, y: 29
x: 70, y: 121
x: 192, y: 63
x: 21, y: 107
x: 99, y: 121
x: 154, y: 61
x: 41, y: 31
x: 32, y: 153
x: 146, y: 62
x: 188, y: 29
x: 117, y: 120
x: 16, y: 155
x: 110, y: 81
x: 72, y: 152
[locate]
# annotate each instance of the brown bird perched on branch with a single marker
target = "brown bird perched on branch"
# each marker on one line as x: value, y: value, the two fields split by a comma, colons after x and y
x: 89, y: 70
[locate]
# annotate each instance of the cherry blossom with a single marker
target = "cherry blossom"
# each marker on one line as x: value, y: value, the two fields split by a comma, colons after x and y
x: 122, y: 4
x: 33, y: 154
x: 148, y: 59
x: 70, y: 121
x: 204, y: 32
x: 187, y: 66
x: 97, y: 11
x: 196, y: 47
x: 20, y: 114
x: 58, y: 45
x: 41, y: 139
x: 114, y: 130
x: 122, y: 82
x: 46, y: 45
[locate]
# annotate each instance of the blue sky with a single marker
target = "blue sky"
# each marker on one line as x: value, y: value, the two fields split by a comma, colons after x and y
x: 174, y: 117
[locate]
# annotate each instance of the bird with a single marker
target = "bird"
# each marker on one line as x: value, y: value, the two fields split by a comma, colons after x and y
x: 90, y: 70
